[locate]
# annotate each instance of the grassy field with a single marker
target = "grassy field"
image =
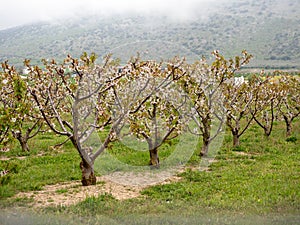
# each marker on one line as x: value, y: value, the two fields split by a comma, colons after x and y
x: 255, y: 183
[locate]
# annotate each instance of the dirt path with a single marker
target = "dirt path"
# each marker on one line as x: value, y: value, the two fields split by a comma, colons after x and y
x: 65, y: 194
x: 6, y: 158
x: 121, y: 186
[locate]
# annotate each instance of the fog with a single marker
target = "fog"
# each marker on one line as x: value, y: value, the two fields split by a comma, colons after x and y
x: 20, y: 12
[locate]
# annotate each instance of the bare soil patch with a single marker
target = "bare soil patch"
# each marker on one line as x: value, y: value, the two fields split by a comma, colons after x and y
x: 120, y: 186
x: 65, y: 194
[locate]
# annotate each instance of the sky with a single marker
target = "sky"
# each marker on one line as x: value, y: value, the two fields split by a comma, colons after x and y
x: 20, y: 12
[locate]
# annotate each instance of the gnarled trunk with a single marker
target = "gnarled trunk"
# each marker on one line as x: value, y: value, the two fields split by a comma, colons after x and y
x: 288, y: 129
x: 88, y: 175
x: 267, y: 132
x: 204, y: 149
x: 288, y: 124
x: 24, y: 145
x: 206, y: 121
x: 154, y: 159
x: 87, y: 169
x: 236, y: 139
x: 23, y: 140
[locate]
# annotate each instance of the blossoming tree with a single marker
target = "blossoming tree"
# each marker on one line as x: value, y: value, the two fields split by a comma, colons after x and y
x: 17, y: 115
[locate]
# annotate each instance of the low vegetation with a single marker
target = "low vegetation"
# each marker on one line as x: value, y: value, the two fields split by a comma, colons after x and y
x: 80, y: 111
x: 258, y: 181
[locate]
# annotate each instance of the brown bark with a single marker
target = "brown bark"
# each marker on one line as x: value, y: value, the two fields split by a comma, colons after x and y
x: 22, y: 140
x: 24, y: 145
x: 154, y: 159
x: 206, y: 135
x: 88, y: 176
x: 288, y: 124
x: 236, y: 139
x: 206, y: 142
x: 288, y: 129
x: 204, y: 149
x: 267, y: 132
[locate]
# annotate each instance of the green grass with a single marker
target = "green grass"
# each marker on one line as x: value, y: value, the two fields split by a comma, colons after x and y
x: 263, y: 181
x: 255, y: 183
x: 43, y: 144
x: 32, y: 174
x: 41, y: 166
x: 62, y: 191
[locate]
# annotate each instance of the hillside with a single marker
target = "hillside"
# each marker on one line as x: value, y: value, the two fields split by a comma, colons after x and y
x: 268, y: 29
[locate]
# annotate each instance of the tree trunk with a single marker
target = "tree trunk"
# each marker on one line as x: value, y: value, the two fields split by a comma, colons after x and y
x: 204, y: 149
x: 154, y: 159
x: 206, y: 135
x: 236, y: 140
x: 88, y: 176
x: 288, y: 124
x: 267, y: 132
x: 22, y: 140
x: 24, y: 145
x: 288, y: 129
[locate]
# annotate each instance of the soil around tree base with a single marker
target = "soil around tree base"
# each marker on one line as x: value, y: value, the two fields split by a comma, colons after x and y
x: 70, y: 193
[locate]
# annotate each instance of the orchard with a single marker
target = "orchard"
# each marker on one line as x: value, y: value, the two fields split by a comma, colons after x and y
x: 156, y: 101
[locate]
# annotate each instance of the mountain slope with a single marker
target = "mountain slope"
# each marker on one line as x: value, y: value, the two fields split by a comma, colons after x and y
x: 268, y: 29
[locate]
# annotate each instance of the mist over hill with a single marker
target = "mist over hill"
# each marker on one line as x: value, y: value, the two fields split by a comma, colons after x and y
x: 268, y: 29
